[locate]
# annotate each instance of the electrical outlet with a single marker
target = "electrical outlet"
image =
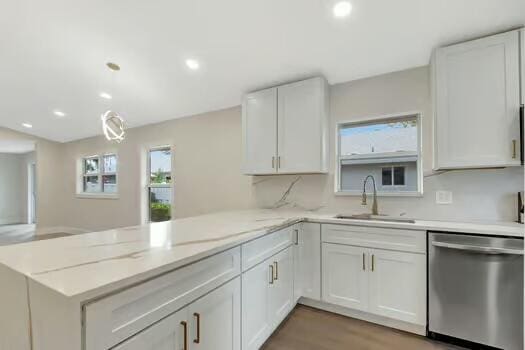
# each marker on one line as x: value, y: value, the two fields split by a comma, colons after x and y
x: 443, y: 197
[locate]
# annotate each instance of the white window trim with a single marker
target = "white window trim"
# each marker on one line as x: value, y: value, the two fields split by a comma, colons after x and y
x: 149, y: 185
x: 378, y: 119
x: 393, y: 186
x: 81, y: 175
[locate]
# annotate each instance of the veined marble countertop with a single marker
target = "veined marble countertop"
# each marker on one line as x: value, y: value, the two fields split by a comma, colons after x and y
x: 89, y: 265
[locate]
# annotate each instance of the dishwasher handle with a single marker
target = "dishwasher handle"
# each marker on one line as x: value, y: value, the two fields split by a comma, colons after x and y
x: 478, y: 249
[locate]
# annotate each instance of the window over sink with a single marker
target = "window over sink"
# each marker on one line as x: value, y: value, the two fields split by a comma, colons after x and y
x: 388, y: 148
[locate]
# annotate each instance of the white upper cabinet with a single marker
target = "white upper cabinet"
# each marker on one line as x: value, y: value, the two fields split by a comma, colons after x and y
x: 477, y: 100
x: 301, y: 127
x: 285, y: 129
x: 259, y: 122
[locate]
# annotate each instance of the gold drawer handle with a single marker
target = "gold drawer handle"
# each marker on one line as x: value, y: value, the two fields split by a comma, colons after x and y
x: 185, y: 326
x: 276, y: 264
x: 514, y: 153
x: 198, y: 317
x: 271, y: 274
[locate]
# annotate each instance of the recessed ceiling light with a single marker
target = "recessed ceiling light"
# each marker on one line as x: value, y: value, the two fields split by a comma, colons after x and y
x: 59, y: 114
x: 342, y: 9
x: 27, y: 125
x: 105, y: 95
x: 192, y: 64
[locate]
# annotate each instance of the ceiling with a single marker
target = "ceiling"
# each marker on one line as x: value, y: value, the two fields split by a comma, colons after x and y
x: 54, y: 52
x: 16, y: 146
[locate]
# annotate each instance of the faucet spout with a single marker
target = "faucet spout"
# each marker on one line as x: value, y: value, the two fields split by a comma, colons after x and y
x: 375, y: 210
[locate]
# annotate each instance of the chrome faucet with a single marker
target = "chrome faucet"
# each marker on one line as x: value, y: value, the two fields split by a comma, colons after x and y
x: 374, y: 204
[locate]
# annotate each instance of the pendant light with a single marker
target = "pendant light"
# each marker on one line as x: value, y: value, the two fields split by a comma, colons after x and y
x: 112, y: 122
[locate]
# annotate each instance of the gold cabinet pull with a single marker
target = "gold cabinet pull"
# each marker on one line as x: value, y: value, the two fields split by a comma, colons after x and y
x: 364, y: 263
x: 296, y: 236
x: 514, y: 142
x: 276, y: 264
x: 185, y: 326
x: 271, y: 274
x: 373, y: 263
x: 198, y: 318
x: 278, y: 162
x: 273, y: 162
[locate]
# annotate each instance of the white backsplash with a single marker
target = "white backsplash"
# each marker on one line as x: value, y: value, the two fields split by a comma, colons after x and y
x: 478, y: 195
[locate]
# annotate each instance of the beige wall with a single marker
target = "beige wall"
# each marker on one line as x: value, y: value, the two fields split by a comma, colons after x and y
x: 207, y: 163
x: 207, y: 175
x: 50, y: 188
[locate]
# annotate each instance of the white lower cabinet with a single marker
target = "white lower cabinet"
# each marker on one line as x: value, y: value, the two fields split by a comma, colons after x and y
x: 397, y: 285
x: 211, y: 322
x: 281, y: 290
x: 267, y: 298
x: 167, y: 334
x: 307, y: 261
x: 381, y: 282
x: 256, y: 324
x: 216, y: 319
x: 345, y: 277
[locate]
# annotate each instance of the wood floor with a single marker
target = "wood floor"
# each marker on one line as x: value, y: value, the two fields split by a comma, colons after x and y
x: 312, y: 329
x: 12, y: 234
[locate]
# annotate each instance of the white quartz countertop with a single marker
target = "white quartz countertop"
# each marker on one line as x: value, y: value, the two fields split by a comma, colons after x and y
x: 89, y: 265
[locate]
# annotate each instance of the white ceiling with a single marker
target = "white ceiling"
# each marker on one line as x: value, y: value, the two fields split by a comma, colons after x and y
x: 16, y: 146
x: 53, y: 52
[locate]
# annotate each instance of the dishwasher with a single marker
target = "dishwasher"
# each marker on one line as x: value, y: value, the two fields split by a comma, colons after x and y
x: 475, y: 290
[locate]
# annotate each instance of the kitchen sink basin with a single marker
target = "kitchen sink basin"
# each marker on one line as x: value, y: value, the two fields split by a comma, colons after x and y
x: 371, y: 217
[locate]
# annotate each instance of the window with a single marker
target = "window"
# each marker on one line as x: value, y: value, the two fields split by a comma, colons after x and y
x: 393, y: 176
x: 159, y: 184
x: 387, y: 149
x: 99, y: 174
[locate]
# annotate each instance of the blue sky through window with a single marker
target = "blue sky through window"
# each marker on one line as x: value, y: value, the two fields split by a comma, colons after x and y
x: 160, y: 159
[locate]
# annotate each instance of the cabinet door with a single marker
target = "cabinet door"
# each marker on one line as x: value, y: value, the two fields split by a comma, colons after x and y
x: 307, y: 261
x: 281, y: 291
x: 345, y: 276
x: 256, y: 325
x: 216, y: 319
x: 259, y: 121
x: 477, y: 103
x: 398, y: 285
x: 302, y: 128
x: 522, y: 61
x: 167, y: 334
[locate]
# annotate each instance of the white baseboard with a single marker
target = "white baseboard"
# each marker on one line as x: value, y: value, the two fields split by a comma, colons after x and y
x: 60, y: 229
x: 365, y: 316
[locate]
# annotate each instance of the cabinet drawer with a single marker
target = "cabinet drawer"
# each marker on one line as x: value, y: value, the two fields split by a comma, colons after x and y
x: 117, y: 317
x: 262, y: 248
x: 375, y: 237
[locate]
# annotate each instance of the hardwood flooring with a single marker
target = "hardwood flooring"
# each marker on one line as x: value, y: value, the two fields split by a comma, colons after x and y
x: 311, y: 329
x: 12, y: 234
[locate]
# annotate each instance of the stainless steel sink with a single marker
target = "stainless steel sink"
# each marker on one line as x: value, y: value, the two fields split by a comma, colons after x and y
x: 371, y: 217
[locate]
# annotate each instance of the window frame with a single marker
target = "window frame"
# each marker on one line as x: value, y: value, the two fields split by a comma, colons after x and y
x: 81, y: 192
x: 149, y: 185
x: 392, y: 176
x: 377, y: 120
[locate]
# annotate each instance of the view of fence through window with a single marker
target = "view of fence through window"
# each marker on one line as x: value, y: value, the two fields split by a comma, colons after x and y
x: 160, y: 184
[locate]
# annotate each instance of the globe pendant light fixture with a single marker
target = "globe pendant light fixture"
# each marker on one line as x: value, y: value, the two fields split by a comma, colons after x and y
x: 112, y: 122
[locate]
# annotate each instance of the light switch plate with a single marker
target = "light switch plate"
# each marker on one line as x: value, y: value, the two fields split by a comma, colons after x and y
x: 443, y: 197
